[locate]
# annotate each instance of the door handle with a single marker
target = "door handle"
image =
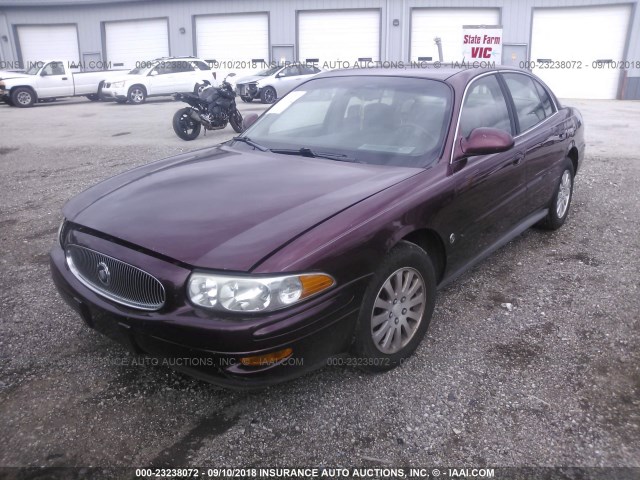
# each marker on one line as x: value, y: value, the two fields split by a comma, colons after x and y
x: 518, y: 158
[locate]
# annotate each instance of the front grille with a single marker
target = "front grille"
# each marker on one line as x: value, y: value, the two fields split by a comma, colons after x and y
x: 116, y: 280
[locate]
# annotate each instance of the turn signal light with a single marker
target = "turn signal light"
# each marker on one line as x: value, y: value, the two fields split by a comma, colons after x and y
x: 312, y: 284
x: 267, y: 358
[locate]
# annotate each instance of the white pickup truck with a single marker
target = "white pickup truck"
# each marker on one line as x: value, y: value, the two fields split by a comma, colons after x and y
x: 47, y: 81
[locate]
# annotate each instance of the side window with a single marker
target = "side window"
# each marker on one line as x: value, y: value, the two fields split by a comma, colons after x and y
x: 529, y: 107
x: 182, y: 67
x: 485, y: 106
x: 549, y: 108
x: 307, y: 70
x: 291, y: 71
x: 53, y: 68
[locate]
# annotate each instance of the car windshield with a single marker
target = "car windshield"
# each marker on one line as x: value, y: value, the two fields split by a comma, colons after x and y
x: 267, y: 71
x: 140, y: 70
x: 374, y: 119
x: 33, y: 69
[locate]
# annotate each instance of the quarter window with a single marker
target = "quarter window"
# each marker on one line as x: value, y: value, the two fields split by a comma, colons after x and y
x: 529, y: 108
x: 485, y: 106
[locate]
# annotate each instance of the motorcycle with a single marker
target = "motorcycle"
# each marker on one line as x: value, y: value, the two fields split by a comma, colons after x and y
x: 213, y: 108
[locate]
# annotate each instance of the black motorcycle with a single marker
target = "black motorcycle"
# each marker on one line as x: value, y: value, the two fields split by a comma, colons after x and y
x: 213, y: 107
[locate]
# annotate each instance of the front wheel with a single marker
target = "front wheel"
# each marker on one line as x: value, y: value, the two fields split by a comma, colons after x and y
x: 559, y: 207
x: 268, y: 95
x: 235, y: 119
x: 186, y: 127
x: 397, y: 308
x: 137, y: 95
x: 23, y: 97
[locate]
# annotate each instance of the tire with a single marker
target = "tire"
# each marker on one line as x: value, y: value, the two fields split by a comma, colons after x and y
x: 247, y: 99
x: 235, y: 119
x: 23, y: 97
x: 94, y: 97
x: 137, y: 95
x: 268, y: 95
x: 386, y: 308
x: 561, y: 201
x: 185, y: 126
x: 200, y: 87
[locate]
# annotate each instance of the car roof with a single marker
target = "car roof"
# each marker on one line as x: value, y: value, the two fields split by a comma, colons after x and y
x: 432, y: 71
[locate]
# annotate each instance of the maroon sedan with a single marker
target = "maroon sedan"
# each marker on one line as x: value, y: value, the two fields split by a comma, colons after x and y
x: 326, y: 228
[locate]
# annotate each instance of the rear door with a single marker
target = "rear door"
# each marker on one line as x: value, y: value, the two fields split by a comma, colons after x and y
x: 54, y: 81
x: 162, y: 79
x: 539, y: 136
x: 490, y: 192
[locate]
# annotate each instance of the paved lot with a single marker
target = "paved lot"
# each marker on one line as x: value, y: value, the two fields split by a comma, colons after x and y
x: 555, y: 381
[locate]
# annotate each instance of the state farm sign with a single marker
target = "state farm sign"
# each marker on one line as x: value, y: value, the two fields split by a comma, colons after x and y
x: 482, y: 42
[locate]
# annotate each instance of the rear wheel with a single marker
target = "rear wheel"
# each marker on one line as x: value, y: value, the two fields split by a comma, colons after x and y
x: 186, y: 127
x: 559, y: 207
x: 23, y: 97
x: 137, y: 94
x: 397, y: 308
x: 268, y: 95
x: 235, y: 119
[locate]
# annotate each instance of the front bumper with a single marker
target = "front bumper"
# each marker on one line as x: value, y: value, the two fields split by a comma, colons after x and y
x: 211, y: 349
x: 114, y: 92
x: 248, y: 90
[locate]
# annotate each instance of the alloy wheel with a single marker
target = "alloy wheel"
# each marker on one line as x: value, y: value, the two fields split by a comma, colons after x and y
x: 398, y: 310
x: 564, y: 194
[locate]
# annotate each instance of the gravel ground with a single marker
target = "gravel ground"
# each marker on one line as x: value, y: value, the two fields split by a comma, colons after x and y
x: 555, y: 381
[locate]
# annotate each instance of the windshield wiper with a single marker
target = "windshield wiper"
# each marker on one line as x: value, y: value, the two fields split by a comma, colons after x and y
x: 307, y: 152
x: 250, y: 142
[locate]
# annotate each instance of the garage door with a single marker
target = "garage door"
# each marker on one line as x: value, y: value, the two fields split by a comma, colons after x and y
x: 233, y: 40
x: 41, y: 43
x: 130, y: 42
x: 580, y: 35
x: 333, y: 36
x: 446, y: 23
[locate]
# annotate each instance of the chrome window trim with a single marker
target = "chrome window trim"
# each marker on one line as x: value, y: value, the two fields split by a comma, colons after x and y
x: 115, y: 298
x: 495, y: 72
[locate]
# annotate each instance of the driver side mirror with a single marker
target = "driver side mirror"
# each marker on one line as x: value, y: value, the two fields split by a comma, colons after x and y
x: 484, y: 141
x: 249, y: 120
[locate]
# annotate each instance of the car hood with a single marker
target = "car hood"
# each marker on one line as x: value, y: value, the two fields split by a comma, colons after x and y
x: 249, y: 79
x: 223, y: 208
x: 4, y: 75
x: 126, y: 77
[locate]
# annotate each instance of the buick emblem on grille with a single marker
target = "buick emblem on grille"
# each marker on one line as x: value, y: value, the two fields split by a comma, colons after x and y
x: 104, y: 275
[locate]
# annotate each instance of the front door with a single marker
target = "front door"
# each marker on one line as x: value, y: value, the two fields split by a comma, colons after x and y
x: 54, y: 81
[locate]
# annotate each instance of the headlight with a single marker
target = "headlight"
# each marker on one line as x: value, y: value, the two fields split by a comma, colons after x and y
x: 117, y: 84
x: 254, y: 294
